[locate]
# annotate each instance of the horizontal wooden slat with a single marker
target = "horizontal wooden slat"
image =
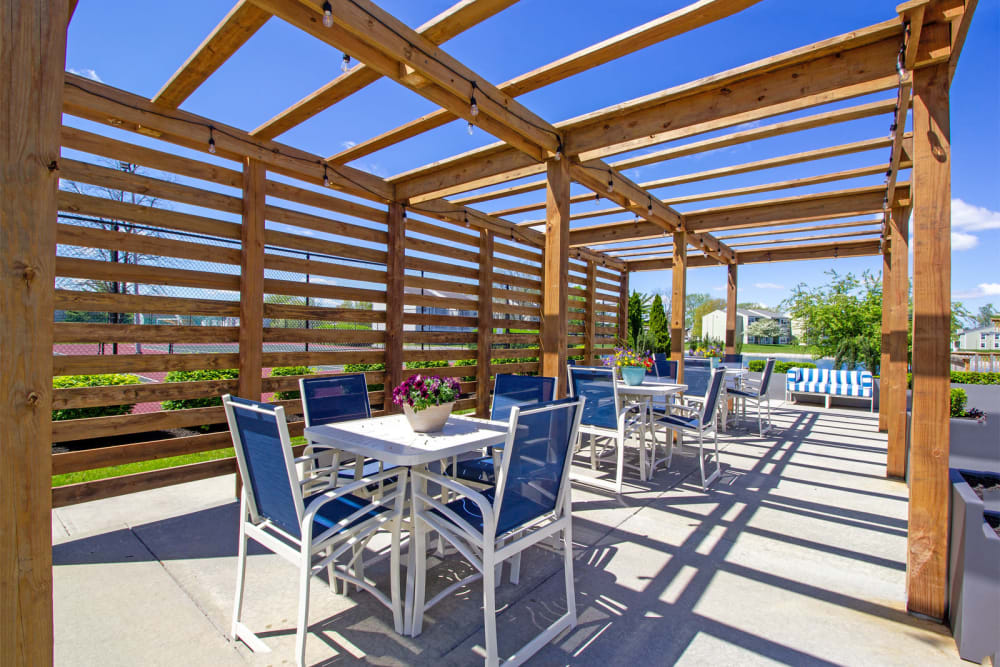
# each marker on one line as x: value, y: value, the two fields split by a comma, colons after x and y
x: 90, y: 269
x: 89, y: 397
x: 316, y: 267
x: 100, y: 427
x: 89, y: 332
x: 322, y: 246
x: 517, y: 267
x: 453, y: 337
x: 89, y: 459
x: 321, y: 358
x: 440, y: 268
x: 101, y: 207
x: 317, y: 200
x: 88, y: 364
x: 442, y: 285
x: 294, y: 335
x: 321, y: 291
x: 439, y: 302
x: 296, y: 312
x: 144, y: 244
x: 441, y: 355
x: 449, y: 233
x: 426, y: 319
x: 326, y: 225
x: 441, y: 250
x: 131, y: 303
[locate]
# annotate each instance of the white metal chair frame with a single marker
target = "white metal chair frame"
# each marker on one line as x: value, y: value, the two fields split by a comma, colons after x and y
x: 757, y: 392
x: 328, y: 545
x: 705, y: 424
x: 629, y: 420
x: 486, y: 550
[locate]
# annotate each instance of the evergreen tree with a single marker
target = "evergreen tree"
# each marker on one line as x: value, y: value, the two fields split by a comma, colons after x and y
x: 659, y: 326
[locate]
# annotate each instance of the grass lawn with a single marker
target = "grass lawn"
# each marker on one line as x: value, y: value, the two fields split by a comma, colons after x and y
x: 749, y: 348
x: 146, y: 466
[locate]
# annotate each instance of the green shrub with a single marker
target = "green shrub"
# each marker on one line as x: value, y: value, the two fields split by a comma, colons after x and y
x: 757, y: 365
x: 284, y: 371
x: 198, y: 376
x: 467, y: 362
x: 958, y: 401
x: 966, y: 377
x: 366, y: 368
x: 426, y: 364
x: 108, y: 380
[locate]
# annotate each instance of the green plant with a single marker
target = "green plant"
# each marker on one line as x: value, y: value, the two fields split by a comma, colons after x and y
x: 197, y: 376
x: 958, y: 401
x: 365, y: 368
x: 659, y: 327
x: 968, y: 377
x: 427, y: 364
x: 284, y: 371
x: 757, y: 365
x: 626, y: 358
x: 75, y: 381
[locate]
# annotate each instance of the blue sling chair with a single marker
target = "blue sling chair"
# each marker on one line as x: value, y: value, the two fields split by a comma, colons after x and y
x: 530, y: 503
x: 757, y: 393
x: 604, y: 416
x: 509, y: 391
x: 683, y: 419
x: 307, y: 520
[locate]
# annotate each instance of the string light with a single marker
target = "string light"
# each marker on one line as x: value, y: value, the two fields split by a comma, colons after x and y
x: 559, y: 152
x: 471, y: 127
x: 327, y: 15
x: 345, y: 63
x: 611, y: 182
x: 466, y: 214
x: 326, y: 177
x: 211, y: 140
x: 473, y: 107
x: 649, y: 209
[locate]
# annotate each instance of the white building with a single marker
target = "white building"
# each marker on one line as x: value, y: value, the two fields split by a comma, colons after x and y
x: 982, y: 338
x: 713, y: 325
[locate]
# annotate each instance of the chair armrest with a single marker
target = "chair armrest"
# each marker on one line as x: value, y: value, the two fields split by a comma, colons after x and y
x: 484, y: 505
x: 316, y: 502
x: 682, y: 408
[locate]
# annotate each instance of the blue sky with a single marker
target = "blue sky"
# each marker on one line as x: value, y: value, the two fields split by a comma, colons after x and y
x: 137, y: 45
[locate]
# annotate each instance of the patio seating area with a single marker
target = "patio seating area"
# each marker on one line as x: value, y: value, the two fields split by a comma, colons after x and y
x: 391, y: 373
x: 796, y: 555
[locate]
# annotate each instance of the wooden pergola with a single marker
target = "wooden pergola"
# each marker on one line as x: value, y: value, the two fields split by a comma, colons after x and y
x: 568, y: 283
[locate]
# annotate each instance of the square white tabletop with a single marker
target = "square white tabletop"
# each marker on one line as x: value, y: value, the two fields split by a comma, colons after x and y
x: 391, y: 440
x: 652, y: 388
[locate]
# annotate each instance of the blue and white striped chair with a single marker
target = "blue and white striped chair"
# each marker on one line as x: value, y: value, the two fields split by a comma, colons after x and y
x: 757, y: 393
x: 509, y: 391
x: 530, y: 503
x: 697, y: 421
x: 311, y: 530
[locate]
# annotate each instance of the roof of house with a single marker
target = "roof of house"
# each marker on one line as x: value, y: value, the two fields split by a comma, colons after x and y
x: 757, y: 312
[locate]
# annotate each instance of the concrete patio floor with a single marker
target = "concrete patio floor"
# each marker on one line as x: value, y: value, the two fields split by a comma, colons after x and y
x: 796, y: 556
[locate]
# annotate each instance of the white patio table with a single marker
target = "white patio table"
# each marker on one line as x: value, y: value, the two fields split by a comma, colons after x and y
x: 391, y: 440
x: 645, y: 393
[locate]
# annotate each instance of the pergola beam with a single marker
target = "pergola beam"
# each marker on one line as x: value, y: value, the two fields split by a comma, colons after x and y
x: 233, y: 31
x: 804, y: 77
x: 670, y: 25
x: 792, y: 253
x: 438, y: 30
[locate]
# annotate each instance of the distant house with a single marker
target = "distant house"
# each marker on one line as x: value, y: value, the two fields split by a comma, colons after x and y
x: 713, y: 325
x: 981, y: 338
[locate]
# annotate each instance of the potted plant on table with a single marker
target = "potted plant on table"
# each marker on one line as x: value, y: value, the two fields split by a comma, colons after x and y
x: 631, y: 364
x: 426, y: 401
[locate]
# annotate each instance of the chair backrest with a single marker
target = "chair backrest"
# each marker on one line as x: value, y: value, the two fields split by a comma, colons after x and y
x: 597, y: 386
x: 765, y: 379
x: 520, y: 390
x: 664, y: 368
x: 696, y: 378
x: 732, y: 359
x: 264, y: 455
x: 697, y: 362
x: 715, y: 381
x: 334, y: 398
x: 534, y: 474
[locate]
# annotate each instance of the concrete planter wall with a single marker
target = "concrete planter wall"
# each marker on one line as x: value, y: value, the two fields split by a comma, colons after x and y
x: 973, y: 573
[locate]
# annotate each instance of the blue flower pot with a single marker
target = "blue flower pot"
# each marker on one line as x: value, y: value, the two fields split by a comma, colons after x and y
x: 633, y: 375
x: 715, y: 362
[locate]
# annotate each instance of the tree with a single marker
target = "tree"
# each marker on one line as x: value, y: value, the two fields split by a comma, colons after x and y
x: 692, y: 302
x: 960, y: 316
x: 849, y: 308
x: 764, y: 327
x: 638, y: 309
x: 659, y: 326
x: 703, y: 309
x: 986, y: 312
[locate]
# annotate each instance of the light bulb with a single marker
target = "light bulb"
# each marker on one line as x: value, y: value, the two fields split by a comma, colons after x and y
x: 611, y: 186
x: 327, y: 15
x: 211, y: 141
x: 345, y: 63
x: 326, y: 179
x: 471, y: 126
x: 557, y: 156
x: 473, y: 108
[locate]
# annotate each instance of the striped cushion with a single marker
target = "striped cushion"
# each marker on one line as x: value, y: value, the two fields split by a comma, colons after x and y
x: 824, y: 381
x: 832, y: 389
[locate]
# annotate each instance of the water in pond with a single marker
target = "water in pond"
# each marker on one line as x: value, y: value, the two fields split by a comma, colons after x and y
x: 820, y: 363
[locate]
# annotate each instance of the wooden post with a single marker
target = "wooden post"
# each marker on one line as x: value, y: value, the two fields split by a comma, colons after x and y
x: 33, y: 44
x: 555, y: 283
x: 927, y: 538
x: 731, y: 308
x: 898, y: 303
x: 678, y: 297
x: 623, y: 307
x: 590, y: 315
x: 884, y: 389
x: 394, y: 278
x: 251, y: 334
x: 484, y: 339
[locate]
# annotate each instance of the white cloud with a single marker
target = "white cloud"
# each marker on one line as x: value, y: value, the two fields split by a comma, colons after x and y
x: 980, y: 291
x: 973, y: 218
x: 719, y: 288
x: 768, y: 286
x: 348, y: 144
x: 88, y: 73
x: 963, y: 241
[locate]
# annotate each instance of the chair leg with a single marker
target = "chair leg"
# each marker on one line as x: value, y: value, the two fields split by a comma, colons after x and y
x: 419, y: 546
x: 498, y: 568
x: 241, y: 566
x: 490, y: 608
x: 515, y: 569
x: 397, y: 602
x: 701, y: 461
x: 593, y: 452
x: 305, y: 574
x: 621, y: 463
x: 568, y: 565
x: 359, y: 562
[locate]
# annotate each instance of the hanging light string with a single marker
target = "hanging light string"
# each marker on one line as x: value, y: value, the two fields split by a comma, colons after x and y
x: 894, y: 126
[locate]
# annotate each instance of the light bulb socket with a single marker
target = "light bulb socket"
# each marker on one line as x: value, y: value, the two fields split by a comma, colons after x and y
x: 327, y: 15
x: 211, y: 140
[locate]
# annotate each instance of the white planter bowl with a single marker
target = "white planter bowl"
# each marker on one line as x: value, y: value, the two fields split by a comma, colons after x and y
x: 428, y: 420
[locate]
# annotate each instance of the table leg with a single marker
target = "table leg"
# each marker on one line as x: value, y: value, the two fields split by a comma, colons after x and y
x: 416, y: 486
x: 725, y: 408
